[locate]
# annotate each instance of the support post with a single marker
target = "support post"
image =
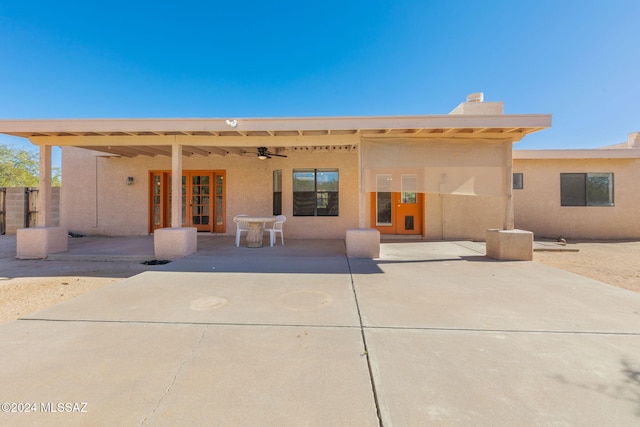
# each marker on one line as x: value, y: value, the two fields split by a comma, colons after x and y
x: 508, y: 222
x: 176, y: 185
x: 44, y: 190
x: 177, y: 241
x: 44, y: 239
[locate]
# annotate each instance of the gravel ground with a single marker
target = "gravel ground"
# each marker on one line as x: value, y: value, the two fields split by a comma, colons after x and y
x: 30, y: 286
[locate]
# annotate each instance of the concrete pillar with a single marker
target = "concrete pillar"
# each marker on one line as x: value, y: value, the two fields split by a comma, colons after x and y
x: 44, y: 190
x: 362, y: 195
x: 177, y: 241
x: 510, y: 245
x: 15, y: 209
x: 363, y: 243
x: 44, y: 239
x: 176, y: 185
x: 507, y: 158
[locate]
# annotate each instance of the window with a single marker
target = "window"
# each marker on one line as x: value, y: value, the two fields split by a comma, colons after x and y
x: 586, y: 189
x: 277, y: 192
x: 518, y: 181
x: 315, y: 192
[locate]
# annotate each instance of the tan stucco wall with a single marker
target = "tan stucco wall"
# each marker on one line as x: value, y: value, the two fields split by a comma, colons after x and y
x: 537, y: 206
x: 464, y: 181
x: 98, y: 201
x: 465, y: 217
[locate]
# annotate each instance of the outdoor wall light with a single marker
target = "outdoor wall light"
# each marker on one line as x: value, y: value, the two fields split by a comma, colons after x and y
x: 129, y: 180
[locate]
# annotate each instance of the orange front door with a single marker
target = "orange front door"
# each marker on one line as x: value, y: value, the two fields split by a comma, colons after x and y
x: 397, y: 212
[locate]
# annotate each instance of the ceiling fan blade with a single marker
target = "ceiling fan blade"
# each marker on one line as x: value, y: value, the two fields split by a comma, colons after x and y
x: 279, y: 155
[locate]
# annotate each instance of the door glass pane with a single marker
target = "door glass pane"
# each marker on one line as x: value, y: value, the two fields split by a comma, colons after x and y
x: 383, y: 208
x: 409, y: 186
x: 219, y: 201
x: 219, y: 220
x: 383, y: 200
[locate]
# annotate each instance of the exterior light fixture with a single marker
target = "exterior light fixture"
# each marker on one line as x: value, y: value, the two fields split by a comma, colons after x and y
x: 232, y: 123
x: 129, y: 180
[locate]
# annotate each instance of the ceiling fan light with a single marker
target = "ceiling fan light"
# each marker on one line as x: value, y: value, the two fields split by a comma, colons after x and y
x: 261, y: 157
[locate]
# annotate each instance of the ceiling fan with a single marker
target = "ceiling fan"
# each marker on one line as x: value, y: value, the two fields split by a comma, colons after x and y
x: 263, y: 153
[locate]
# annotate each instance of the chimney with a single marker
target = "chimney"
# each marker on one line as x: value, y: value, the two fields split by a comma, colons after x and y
x: 475, y: 105
x: 634, y: 140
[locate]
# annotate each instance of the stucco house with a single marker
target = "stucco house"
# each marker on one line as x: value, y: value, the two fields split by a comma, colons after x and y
x: 433, y: 176
x: 580, y: 194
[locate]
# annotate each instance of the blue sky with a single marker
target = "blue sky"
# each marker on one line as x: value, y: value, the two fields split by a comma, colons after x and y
x: 577, y: 60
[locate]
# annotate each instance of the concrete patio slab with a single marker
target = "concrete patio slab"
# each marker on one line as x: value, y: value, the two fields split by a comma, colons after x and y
x: 120, y: 370
x: 223, y: 298
x: 430, y: 333
x: 286, y: 376
x: 476, y: 293
x: 461, y: 378
x: 123, y: 373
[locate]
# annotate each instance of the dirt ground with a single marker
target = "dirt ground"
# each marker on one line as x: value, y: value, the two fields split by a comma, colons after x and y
x: 615, y: 263
x: 30, y: 286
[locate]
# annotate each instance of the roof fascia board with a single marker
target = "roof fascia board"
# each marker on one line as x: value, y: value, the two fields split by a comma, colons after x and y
x: 597, y: 153
x: 276, y: 124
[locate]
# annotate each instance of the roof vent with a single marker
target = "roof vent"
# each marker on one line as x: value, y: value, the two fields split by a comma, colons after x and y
x: 475, y: 97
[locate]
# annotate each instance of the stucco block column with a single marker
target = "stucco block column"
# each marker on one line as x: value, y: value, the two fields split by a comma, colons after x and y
x: 363, y: 243
x: 510, y: 245
x: 39, y: 242
x: 15, y: 209
x: 174, y: 243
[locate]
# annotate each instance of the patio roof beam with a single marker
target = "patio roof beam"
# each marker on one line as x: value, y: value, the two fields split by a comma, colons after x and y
x: 197, y: 141
x: 118, y: 151
x: 195, y: 150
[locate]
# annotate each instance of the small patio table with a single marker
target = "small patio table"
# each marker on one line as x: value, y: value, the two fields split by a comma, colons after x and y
x: 256, y: 224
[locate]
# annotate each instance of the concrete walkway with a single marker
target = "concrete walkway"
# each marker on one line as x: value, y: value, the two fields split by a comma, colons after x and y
x: 431, y: 333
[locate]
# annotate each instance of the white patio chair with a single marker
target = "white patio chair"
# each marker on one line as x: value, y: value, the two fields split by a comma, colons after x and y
x: 277, y: 228
x: 241, y: 226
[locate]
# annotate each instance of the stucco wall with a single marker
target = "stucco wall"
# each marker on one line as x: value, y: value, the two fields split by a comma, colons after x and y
x: 98, y: 201
x: 537, y: 206
x: 450, y: 217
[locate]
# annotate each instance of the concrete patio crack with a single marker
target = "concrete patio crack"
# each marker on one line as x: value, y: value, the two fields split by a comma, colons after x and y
x: 366, y: 349
x: 175, y: 376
